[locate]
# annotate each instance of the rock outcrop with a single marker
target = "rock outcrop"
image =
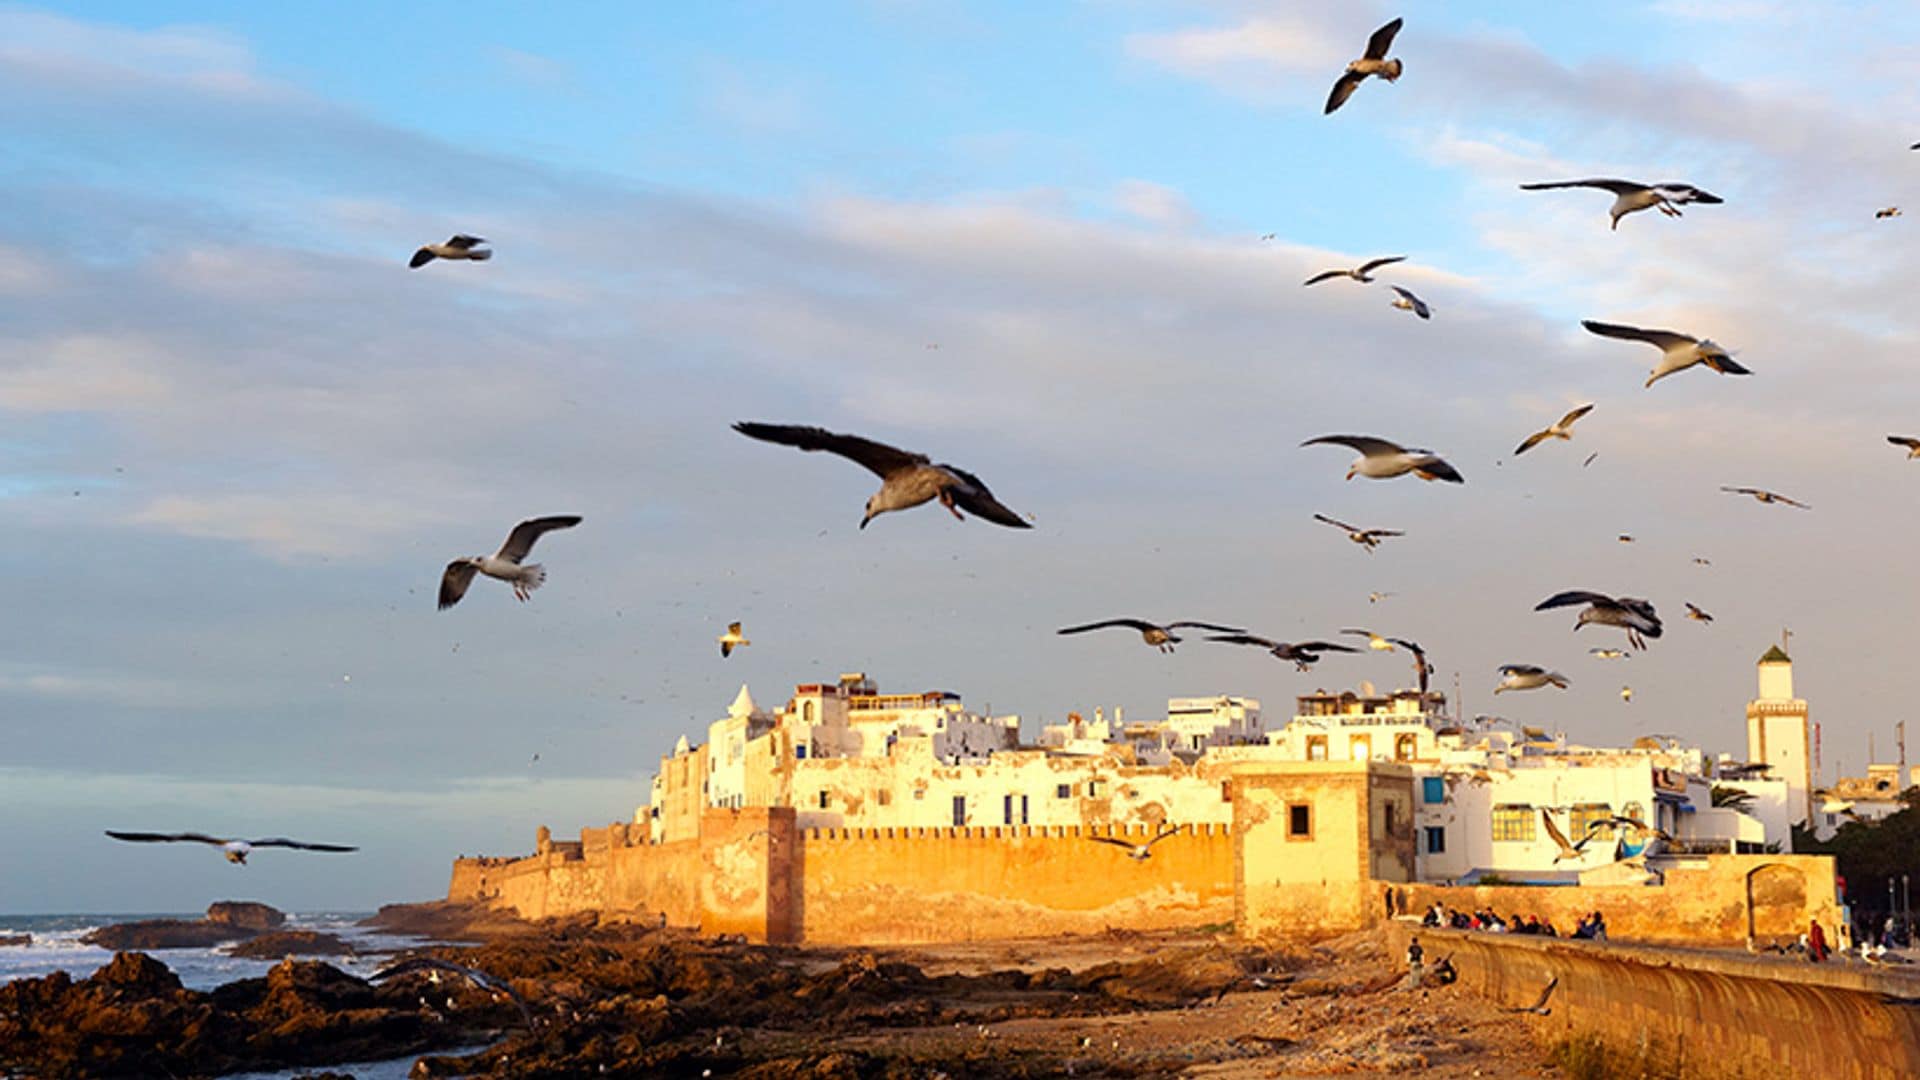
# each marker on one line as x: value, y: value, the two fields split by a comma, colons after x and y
x: 247, y: 914
x: 227, y: 920
x: 283, y: 943
x: 7, y: 940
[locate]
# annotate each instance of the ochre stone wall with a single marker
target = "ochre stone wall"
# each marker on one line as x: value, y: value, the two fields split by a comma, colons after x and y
x: 1711, y: 1015
x: 903, y: 885
x: 1358, y: 821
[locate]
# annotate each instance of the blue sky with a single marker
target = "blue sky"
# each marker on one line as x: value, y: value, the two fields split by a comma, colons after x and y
x: 279, y: 435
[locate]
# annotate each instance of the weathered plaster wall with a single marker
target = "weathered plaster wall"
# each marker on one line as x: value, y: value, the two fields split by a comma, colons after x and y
x: 1327, y: 878
x: 1700, y: 1014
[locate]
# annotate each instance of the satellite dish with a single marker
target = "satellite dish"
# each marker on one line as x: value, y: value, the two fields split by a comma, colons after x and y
x: 1366, y: 689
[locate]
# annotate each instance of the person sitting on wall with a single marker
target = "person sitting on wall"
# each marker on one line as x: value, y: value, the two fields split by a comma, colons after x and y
x: 1443, y: 973
x: 1599, y: 927
x: 1816, y: 942
x: 1432, y: 917
x: 1546, y: 927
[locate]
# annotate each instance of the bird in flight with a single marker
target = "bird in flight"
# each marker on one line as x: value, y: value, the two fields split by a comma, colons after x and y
x: 1376, y: 597
x: 1304, y: 654
x: 1406, y: 301
x: 1539, y: 1007
x: 1765, y: 496
x: 1678, y: 352
x: 1567, y: 850
x: 1136, y: 852
x: 1422, y: 670
x: 1626, y: 538
x: 1630, y: 195
x: 1362, y: 273
x: 1374, y: 641
x: 1590, y: 458
x: 1886, y: 212
x: 1696, y: 614
x: 235, y: 850
x: 731, y: 640
x: 1366, y: 538
x: 1633, y: 615
x: 505, y: 563
x: 1626, y: 694
x: 1610, y: 654
x: 907, y: 479
x: 458, y: 246
x: 1698, y: 561
x: 1160, y: 636
x: 1912, y: 444
x: 1559, y: 429
x: 1374, y: 62
x: 1383, y: 460
x: 1528, y: 677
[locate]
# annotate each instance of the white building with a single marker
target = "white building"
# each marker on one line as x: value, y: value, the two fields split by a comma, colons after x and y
x: 1778, y: 734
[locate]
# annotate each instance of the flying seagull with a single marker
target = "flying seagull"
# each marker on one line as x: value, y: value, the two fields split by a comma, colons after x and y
x: 731, y: 640
x: 1528, y: 677
x: 1635, y: 616
x: 1765, y: 496
x: 1912, y: 444
x: 1539, y: 1008
x: 1678, y: 351
x: 1590, y: 458
x: 236, y: 850
x: 1406, y: 301
x: 1626, y: 538
x: 907, y: 479
x: 1374, y: 641
x: 1362, y: 273
x: 1376, y: 597
x: 433, y: 967
x: 505, y: 563
x: 1421, y: 668
x: 1567, y: 850
x: 1375, y: 62
x: 1887, y: 212
x: 1304, y: 654
x: 1610, y: 654
x: 459, y: 246
x: 1629, y: 195
x: 1136, y: 852
x: 1697, y: 615
x: 1366, y: 538
x: 1160, y: 636
x: 1698, y: 561
x: 1382, y: 460
x: 1560, y: 429
x: 1626, y: 694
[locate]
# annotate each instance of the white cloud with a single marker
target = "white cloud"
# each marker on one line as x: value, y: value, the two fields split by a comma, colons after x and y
x: 83, y: 372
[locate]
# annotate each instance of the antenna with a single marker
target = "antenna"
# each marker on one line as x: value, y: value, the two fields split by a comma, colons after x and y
x: 1786, y: 639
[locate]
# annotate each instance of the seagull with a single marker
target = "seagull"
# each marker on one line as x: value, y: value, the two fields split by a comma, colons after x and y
x: 434, y: 967
x: 1366, y: 538
x: 236, y: 850
x: 1159, y: 636
x: 1376, y: 597
x: 459, y: 246
x: 1362, y: 273
x: 1698, y: 561
x: 1626, y: 694
x: 1635, y: 616
x: 1560, y: 429
x: 1697, y: 615
x: 1136, y: 852
x: 1374, y: 641
x: 1567, y: 850
x: 1630, y: 196
x: 1626, y: 538
x: 1539, y: 1008
x: 1678, y: 351
x: 1406, y: 301
x: 907, y: 479
x: 1590, y: 458
x: 1375, y: 62
x: 1610, y: 654
x: 1528, y: 677
x: 505, y: 563
x: 1891, y: 211
x: 1765, y: 496
x: 731, y: 640
x: 1421, y: 668
x: 1382, y: 460
x: 1304, y: 654
x: 1912, y: 444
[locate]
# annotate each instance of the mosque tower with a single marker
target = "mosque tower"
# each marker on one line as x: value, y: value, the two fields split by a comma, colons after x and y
x: 1778, y: 733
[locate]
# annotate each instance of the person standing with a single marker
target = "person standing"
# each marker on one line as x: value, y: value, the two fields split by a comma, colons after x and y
x: 1416, y: 966
x: 1816, y: 942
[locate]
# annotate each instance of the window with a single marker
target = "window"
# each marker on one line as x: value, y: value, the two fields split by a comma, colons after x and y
x: 1512, y: 821
x: 1387, y: 817
x: 1404, y: 747
x: 1299, y: 821
x: 799, y: 751
x: 1316, y: 748
x: 920, y: 794
x: 1433, y: 790
x: 1436, y: 840
x: 959, y: 810
x: 1096, y: 788
x: 1063, y: 791
x: 1586, y: 816
x: 1226, y: 791
x: 1359, y: 747
x: 826, y: 799
x: 1015, y: 808
x: 806, y: 712
x: 883, y: 797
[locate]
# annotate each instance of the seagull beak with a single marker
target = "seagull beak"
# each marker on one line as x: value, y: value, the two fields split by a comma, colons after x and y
x: 864, y: 520
x: 1349, y: 474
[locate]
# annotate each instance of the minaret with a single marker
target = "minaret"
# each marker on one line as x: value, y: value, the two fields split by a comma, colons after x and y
x: 1778, y: 733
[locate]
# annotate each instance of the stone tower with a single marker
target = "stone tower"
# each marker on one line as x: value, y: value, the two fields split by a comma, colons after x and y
x: 1778, y: 733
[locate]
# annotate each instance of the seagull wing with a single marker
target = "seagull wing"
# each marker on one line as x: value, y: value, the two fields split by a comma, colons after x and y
x: 1246, y: 639
x: 1558, y: 837
x: 1382, y: 40
x: 420, y: 258
x: 1618, y: 187
x: 975, y: 499
x: 281, y: 841
x: 1545, y: 994
x: 1136, y: 624
x: 1673, y: 191
x: 1532, y: 441
x: 1522, y: 669
x: 1343, y: 89
x: 1382, y: 532
x: 1419, y: 306
x: 1162, y: 835
x: 1334, y: 523
x: 1365, y: 444
x: 166, y: 838
x: 1322, y: 646
x: 1410, y: 646
x: 1356, y: 630
x: 1573, y: 598
x: 520, y: 541
x: 462, y: 242
x: 1665, y: 339
x: 1325, y: 275
x: 1724, y: 364
x: 1114, y: 840
x: 879, y: 458
x: 453, y: 583
x: 1791, y: 502
x: 1436, y: 467
x: 1206, y: 626
x: 1569, y: 419
x: 1370, y: 267
x: 1907, y: 441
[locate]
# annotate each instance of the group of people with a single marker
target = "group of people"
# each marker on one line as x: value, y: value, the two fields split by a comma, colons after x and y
x: 1592, y: 926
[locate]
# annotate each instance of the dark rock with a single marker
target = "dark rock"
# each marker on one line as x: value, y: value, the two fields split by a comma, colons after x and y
x: 246, y: 914
x: 283, y: 943
x: 165, y: 934
x: 15, y: 939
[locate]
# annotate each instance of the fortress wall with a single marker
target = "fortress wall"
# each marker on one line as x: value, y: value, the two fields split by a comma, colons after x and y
x: 1698, y: 1014
x: 1708, y: 905
x: 883, y: 885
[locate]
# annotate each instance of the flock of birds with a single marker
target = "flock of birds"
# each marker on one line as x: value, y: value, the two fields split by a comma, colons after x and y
x: 909, y: 479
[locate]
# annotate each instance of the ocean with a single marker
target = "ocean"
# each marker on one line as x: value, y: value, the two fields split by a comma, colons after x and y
x: 57, y: 947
